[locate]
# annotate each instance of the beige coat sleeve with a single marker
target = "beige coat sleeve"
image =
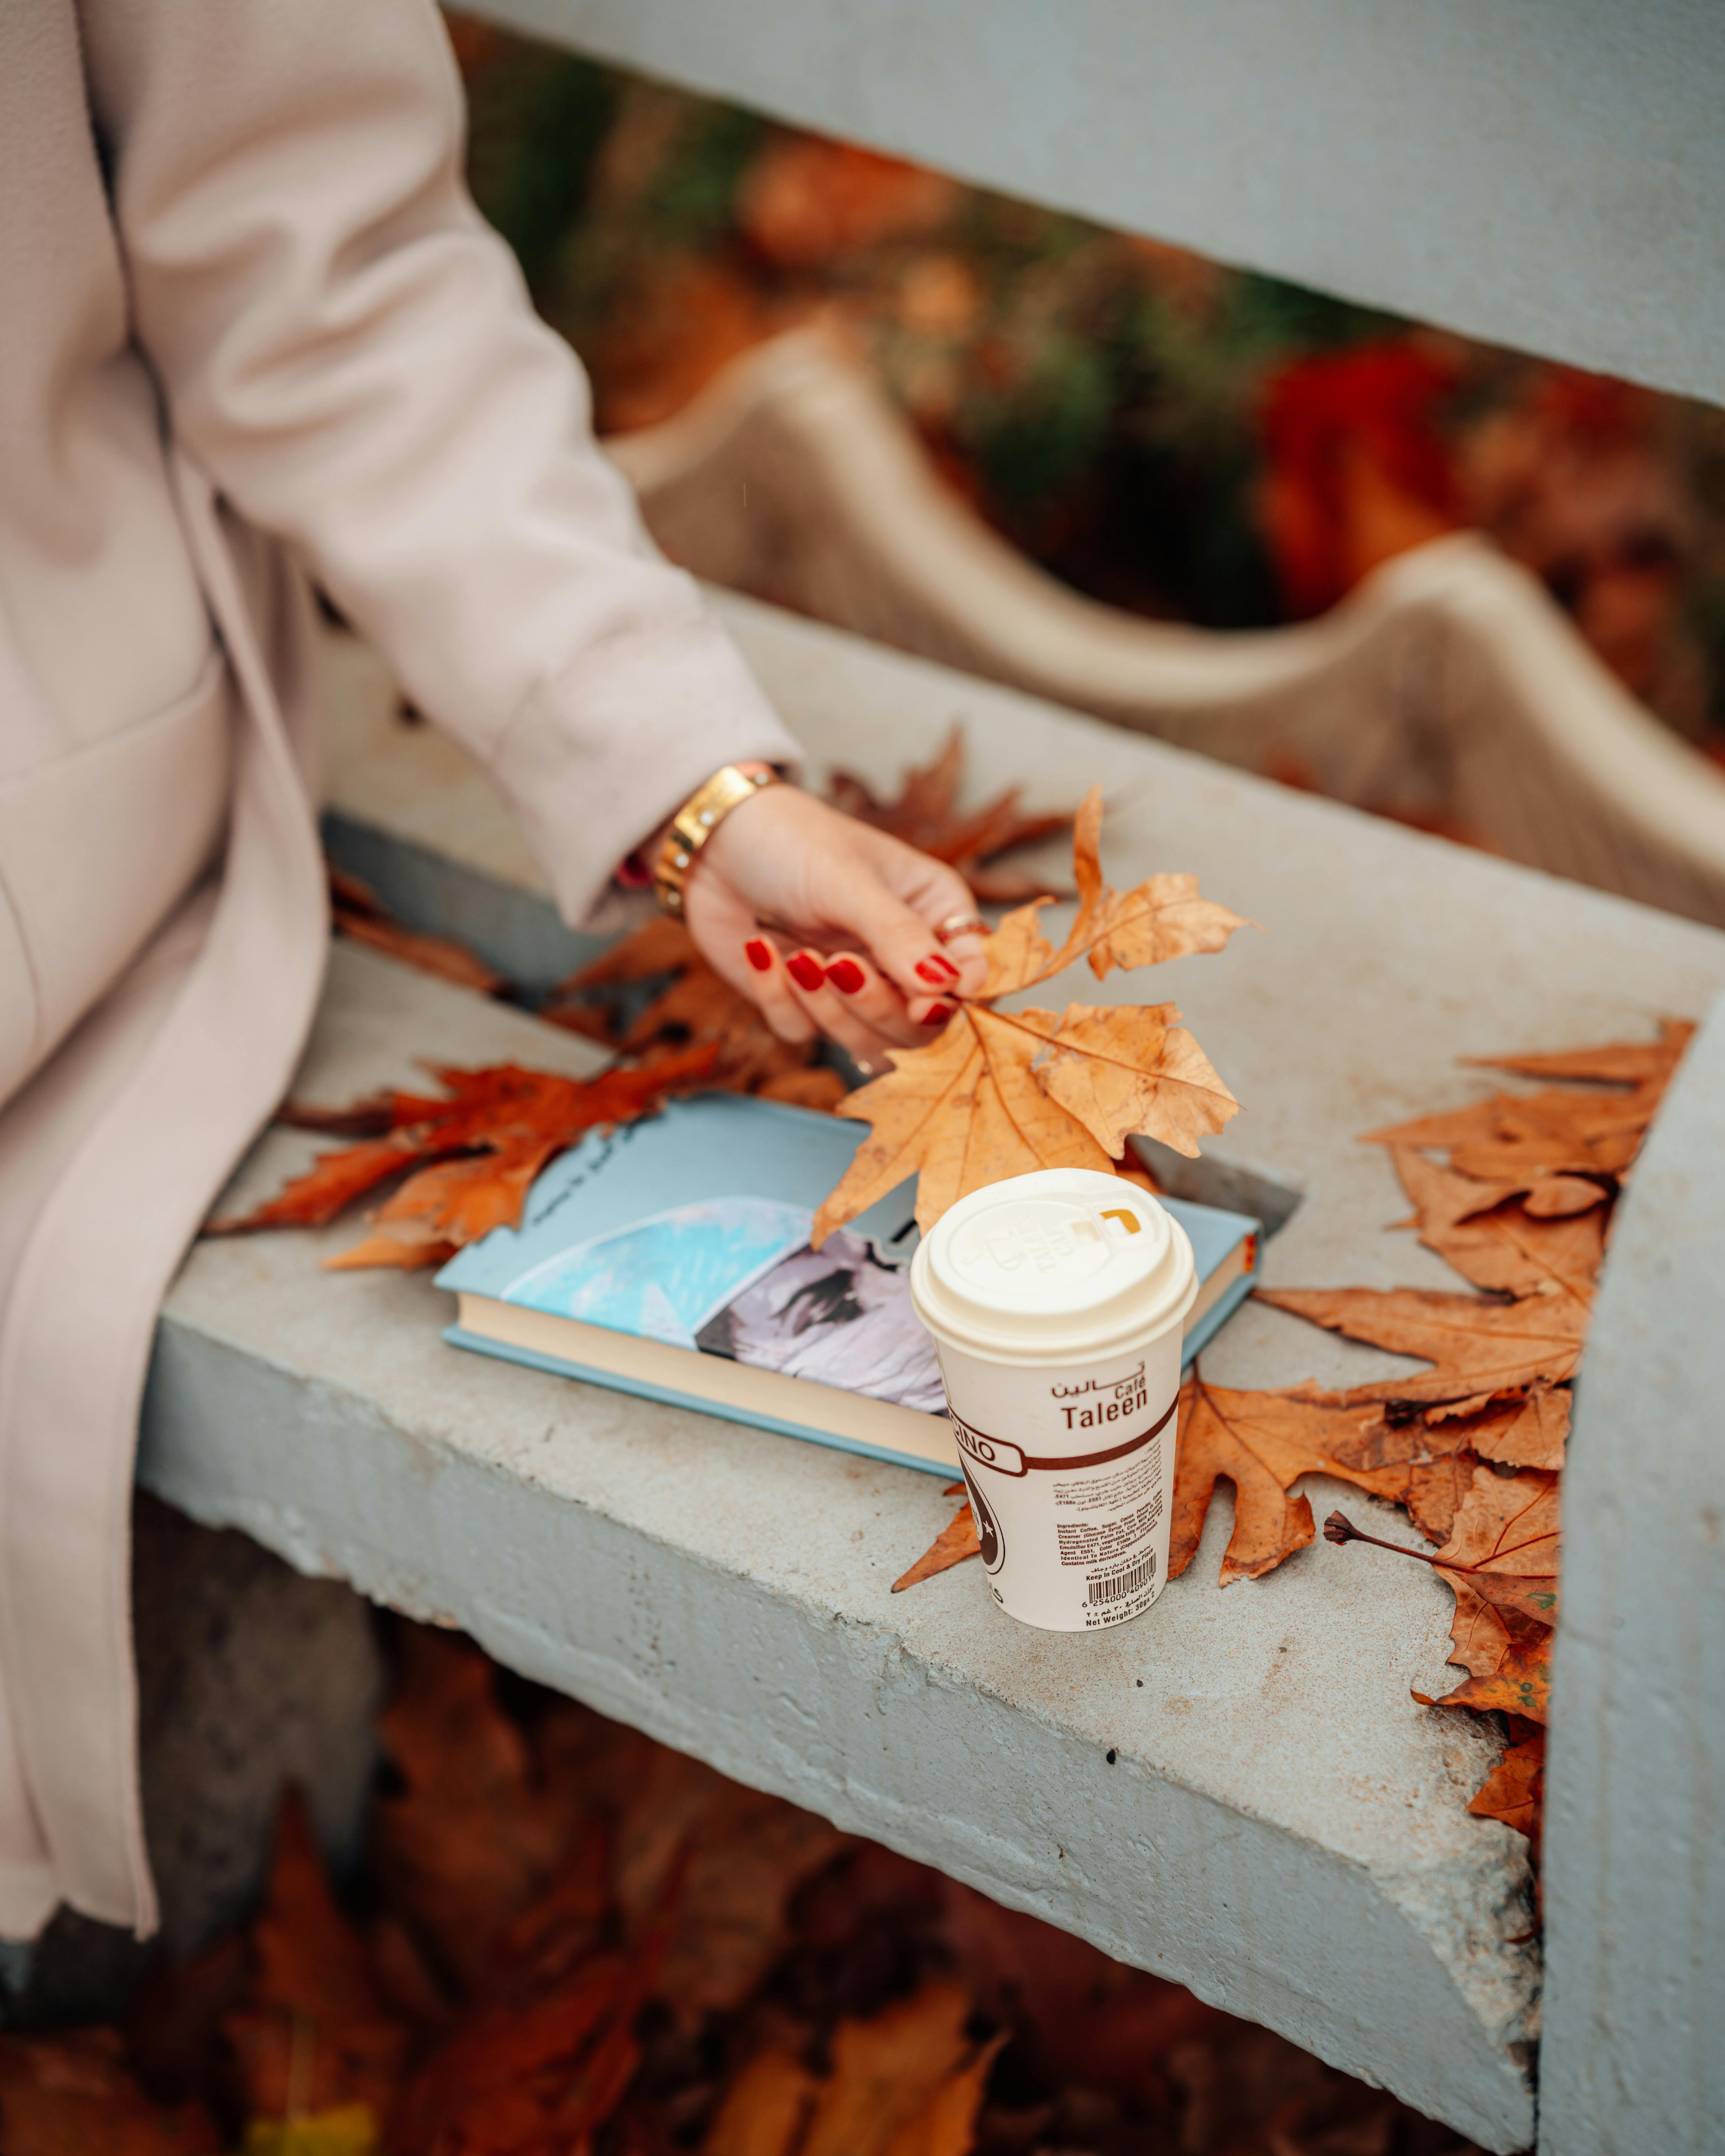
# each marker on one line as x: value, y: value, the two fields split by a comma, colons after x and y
x: 349, y: 351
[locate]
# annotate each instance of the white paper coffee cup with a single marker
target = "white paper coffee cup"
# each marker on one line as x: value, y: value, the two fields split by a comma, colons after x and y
x: 1057, y: 1303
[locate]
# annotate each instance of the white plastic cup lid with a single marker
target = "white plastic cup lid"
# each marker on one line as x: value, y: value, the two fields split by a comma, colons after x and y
x: 1053, y: 1268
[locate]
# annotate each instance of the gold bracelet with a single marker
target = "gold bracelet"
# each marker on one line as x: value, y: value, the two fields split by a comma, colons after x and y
x: 694, y: 823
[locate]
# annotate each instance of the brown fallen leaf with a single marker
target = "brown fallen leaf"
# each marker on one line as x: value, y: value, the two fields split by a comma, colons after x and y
x: 692, y: 1006
x: 313, y: 2034
x: 1514, y: 1791
x: 508, y: 2077
x: 1501, y: 1564
x: 923, y: 816
x: 1532, y: 1596
x: 1521, y: 1140
x: 741, y: 1856
x: 1557, y: 1197
x: 947, y: 2124
x: 1503, y: 1248
x: 1529, y: 1432
x: 1519, y: 1682
x: 1510, y: 1523
x: 765, y: 2110
x: 1481, y: 1350
x: 68, y: 2091
x: 889, y: 2074
x: 1636, y: 1063
x: 471, y: 1838
x: 358, y: 913
x: 511, y: 1118
x: 956, y: 1540
x: 1003, y: 1093
x: 1262, y: 1443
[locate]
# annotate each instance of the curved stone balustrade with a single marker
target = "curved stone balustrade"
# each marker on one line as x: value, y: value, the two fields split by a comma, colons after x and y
x: 1448, y: 689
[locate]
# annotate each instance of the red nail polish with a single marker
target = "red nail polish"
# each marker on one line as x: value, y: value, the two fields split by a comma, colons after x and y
x: 939, y: 1014
x: 846, y: 974
x: 805, y: 971
x: 758, y: 955
x: 929, y: 970
x: 946, y: 965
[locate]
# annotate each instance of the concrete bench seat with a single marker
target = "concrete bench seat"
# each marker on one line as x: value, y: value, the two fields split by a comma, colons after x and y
x: 1236, y: 1790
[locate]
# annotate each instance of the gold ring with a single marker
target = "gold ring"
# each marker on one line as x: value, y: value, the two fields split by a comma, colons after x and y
x: 960, y: 924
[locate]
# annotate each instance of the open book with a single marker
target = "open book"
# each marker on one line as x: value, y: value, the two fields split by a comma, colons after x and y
x: 670, y: 1258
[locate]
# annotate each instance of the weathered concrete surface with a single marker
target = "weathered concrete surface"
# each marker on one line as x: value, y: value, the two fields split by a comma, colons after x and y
x: 1279, y: 1826
x: 1634, y: 1860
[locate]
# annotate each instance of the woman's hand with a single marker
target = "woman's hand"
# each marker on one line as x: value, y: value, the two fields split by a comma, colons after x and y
x: 829, y: 926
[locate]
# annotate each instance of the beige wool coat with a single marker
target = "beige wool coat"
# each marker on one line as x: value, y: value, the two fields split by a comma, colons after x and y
x: 250, y: 327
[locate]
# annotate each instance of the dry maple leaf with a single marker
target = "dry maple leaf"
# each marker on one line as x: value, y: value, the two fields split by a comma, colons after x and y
x: 741, y: 1856
x: 765, y: 2111
x: 690, y: 1006
x: 1002, y: 1093
x: 1635, y: 1063
x: 1528, y: 1432
x: 924, y: 817
x: 1514, y: 1791
x: 357, y: 912
x: 64, y: 2092
x: 955, y: 1541
x: 1262, y: 1443
x: 471, y: 1837
x: 908, y: 2083
x: 1519, y: 1680
x: 1503, y: 1248
x: 313, y: 2034
x: 507, y: 1120
x: 887, y: 2093
x: 1481, y: 1350
x: 1502, y: 1563
x: 1530, y: 1142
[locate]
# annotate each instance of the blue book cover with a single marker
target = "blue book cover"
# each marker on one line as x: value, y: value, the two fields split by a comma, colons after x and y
x: 689, y: 1231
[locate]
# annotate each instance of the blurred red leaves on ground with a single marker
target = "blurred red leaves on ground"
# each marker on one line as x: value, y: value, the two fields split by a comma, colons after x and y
x: 569, y: 1940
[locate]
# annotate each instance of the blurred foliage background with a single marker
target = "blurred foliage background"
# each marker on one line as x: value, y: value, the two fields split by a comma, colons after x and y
x: 1188, y: 441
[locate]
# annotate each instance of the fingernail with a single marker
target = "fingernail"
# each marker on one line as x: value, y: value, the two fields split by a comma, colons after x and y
x: 805, y: 971
x: 948, y: 971
x: 758, y: 955
x: 937, y: 972
x: 938, y: 1013
x: 846, y: 974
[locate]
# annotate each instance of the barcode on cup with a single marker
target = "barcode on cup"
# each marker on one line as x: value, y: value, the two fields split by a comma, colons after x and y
x: 1123, y: 1583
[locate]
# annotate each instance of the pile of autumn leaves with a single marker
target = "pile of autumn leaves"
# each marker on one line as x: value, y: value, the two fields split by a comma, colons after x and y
x: 1000, y: 1093
x: 465, y: 1163
x: 1515, y: 1192
x: 572, y: 1942
x: 1472, y: 1446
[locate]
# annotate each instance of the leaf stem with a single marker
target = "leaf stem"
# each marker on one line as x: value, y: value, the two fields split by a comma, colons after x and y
x: 1339, y: 1529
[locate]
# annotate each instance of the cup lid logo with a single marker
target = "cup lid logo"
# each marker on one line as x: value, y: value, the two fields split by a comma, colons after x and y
x: 1061, y: 1261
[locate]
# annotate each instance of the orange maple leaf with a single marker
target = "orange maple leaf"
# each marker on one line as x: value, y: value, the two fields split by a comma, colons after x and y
x: 1481, y: 1351
x: 506, y: 1121
x: 1514, y: 1791
x: 1001, y: 1093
